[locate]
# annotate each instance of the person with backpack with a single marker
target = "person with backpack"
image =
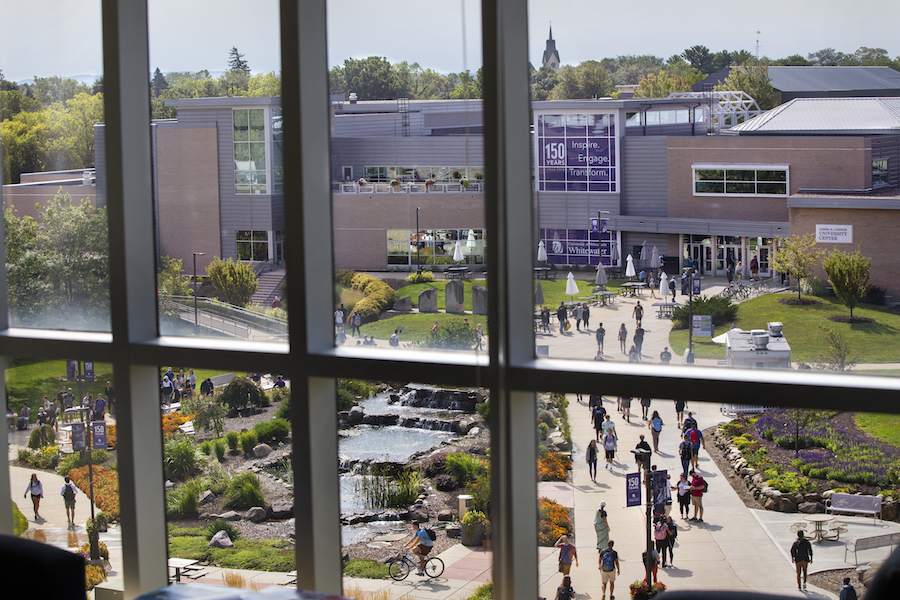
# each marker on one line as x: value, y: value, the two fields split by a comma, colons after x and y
x: 696, y: 437
x: 609, y: 568
x: 698, y: 488
x: 609, y: 445
x: 689, y: 422
x: 567, y: 554
x: 565, y: 591
x: 661, y: 540
x: 651, y: 560
x: 37, y: 492
x: 655, y: 425
x: 421, y: 544
x: 671, y: 535
x: 598, y: 417
x: 591, y: 457
x: 68, y: 493
x: 686, y: 453
x: 801, y: 556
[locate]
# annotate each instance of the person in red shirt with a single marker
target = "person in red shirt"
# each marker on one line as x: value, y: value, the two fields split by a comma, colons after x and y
x: 697, y: 485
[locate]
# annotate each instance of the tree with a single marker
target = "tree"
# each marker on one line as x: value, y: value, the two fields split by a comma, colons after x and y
x: 264, y: 85
x: 797, y: 256
x: 828, y: 57
x: 371, y: 78
x: 158, y: 83
x: 794, y: 60
x: 660, y: 85
x: 588, y: 80
x: 838, y: 354
x: 236, y: 61
x: 876, y: 57
x: 700, y: 58
x: 48, y: 90
x: 97, y: 87
x: 171, y: 281
x: 849, y: 276
x: 629, y: 69
x: 235, y: 282
x: 753, y: 79
x: 544, y: 80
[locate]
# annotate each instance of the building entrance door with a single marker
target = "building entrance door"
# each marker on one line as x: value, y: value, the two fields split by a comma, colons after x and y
x: 702, y: 256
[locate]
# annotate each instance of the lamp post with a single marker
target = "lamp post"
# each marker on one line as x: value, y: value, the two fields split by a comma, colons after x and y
x: 196, y: 324
x: 418, y: 243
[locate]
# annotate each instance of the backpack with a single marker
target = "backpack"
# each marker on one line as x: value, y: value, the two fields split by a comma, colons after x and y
x: 566, y: 593
x: 705, y: 486
x: 686, y: 451
x: 431, y: 534
x: 695, y: 435
x: 659, y: 531
x: 607, y: 560
x: 69, y: 493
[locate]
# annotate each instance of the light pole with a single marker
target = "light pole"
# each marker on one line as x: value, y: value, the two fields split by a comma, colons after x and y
x: 418, y: 243
x: 196, y: 324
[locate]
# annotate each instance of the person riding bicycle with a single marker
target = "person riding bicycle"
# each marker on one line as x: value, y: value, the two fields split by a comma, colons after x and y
x: 420, y: 544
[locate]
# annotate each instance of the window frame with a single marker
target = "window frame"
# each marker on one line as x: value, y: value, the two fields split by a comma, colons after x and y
x: 739, y: 186
x: 511, y: 370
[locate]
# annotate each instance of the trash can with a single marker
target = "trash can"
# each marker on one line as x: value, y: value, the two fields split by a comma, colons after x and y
x: 670, y: 265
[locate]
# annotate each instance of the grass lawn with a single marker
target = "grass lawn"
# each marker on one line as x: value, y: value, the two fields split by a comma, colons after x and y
x: 30, y: 380
x: 884, y: 427
x: 415, y: 289
x: 415, y: 327
x: 260, y: 555
x: 875, y: 342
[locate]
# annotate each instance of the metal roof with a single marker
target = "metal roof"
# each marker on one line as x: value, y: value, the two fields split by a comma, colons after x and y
x: 833, y: 79
x: 827, y: 116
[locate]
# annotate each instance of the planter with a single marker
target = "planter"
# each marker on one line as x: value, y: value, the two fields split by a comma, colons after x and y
x: 475, y: 538
x: 486, y: 544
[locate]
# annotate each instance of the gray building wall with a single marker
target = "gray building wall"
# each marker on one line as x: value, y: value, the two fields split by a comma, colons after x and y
x: 449, y: 151
x: 567, y: 210
x: 644, y: 176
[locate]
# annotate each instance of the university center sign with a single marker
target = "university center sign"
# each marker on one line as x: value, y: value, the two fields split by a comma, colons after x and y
x: 576, y: 152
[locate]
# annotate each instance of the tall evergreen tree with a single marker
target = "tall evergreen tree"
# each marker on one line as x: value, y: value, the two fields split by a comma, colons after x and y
x: 158, y: 83
x: 236, y: 61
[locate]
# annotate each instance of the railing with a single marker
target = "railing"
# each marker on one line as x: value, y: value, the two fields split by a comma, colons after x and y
x: 263, y: 267
x: 351, y: 187
x: 231, y: 320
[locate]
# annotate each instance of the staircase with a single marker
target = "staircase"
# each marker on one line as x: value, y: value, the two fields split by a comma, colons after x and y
x: 267, y: 283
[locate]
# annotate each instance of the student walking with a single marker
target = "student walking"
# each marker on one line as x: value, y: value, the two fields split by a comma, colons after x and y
x: 671, y: 535
x: 37, y: 492
x: 686, y: 453
x: 601, y: 527
x: 623, y: 337
x: 601, y: 334
x: 684, y: 496
x: 586, y: 317
x: 801, y: 556
x: 655, y: 425
x: 591, y: 457
x: 609, y: 568
x: 638, y: 313
x: 68, y: 493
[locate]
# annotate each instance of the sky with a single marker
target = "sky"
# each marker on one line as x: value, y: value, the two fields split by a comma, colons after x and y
x: 62, y: 37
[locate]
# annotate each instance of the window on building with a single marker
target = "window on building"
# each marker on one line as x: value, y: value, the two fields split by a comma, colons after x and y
x: 277, y: 150
x: 721, y: 180
x: 879, y: 173
x: 249, y: 151
x: 253, y: 245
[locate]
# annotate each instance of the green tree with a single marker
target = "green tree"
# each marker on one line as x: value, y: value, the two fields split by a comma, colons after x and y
x: 628, y: 69
x: 544, y: 80
x: 752, y: 79
x: 838, y: 354
x: 25, y: 266
x: 371, y: 78
x: 48, y: 90
x: 235, y: 282
x: 171, y: 281
x: 797, y: 256
x: 452, y: 335
x: 794, y: 60
x: 73, y: 139
x: 700, y: 58
x: 468, y: 87
x: 875, y: 57
x: 236, y: 61
x: 158, y: 83
x: 849, y: 276
x: 26, y: 137
x: 660, y: 85
x: 588, y: 80
x: 829, y: 57
x: 264, y: 85
x: 12, y: 102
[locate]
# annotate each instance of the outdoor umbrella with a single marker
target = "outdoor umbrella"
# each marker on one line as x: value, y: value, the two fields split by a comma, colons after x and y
x: 470, y: 240
x: 542, y: 252
x: 644, y: 251
x: 571, y: 286
x: 458, y: 253
x: 663, y: 285
x: 614, y: 252
x: 601, y: 278
x: 629, y: 268
x: 654, y: 259
x: 538, y: 294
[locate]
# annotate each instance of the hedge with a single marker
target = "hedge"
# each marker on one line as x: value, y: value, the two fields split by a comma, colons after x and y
x: 379, y: 297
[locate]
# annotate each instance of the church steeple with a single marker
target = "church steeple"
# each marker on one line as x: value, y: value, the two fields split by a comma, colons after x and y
x: 551, y: 55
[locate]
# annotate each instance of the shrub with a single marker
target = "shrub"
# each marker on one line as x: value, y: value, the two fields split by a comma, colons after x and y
x: 106, y: 487
x: 248, y: 441
x: 382, y: 490
x: 544, y: 416
x: 722, y: 310
x: 20, y: 523
x: 41, y: 437
x: 874, y: 295
x: 444, y: 482
x: 244, y: 491
x: 240, y: 393
x: 554, y: 521
x: 463, y: 467
x: 222, y: 525
x: 44, y: 458
x: 219, y: 447
x: 367, y: 569
x: 73, y: 461
x: 179, y: 458
x: 209, y: 415
x: 480, y: 490
x: 484, y: 410
x: 183, y: 500
x: 345, y: 399
x: 483, y: 592
x: 451, y: 335
x: 206, y: 447
x: 543, y: 429
x: 358, y: 387
x: 279, y: 394
x: 812, y: 286
x: 276, y: 429
x: 233, y: 438
x: 423, y: 277
x: 379, y: 297
x: 284, y: 409
x: 344, y: 277
x: 216, y: 479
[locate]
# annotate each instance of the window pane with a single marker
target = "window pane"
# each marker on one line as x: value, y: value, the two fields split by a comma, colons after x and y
x: 746, y: 175
x: 771, y: 175
x: 709, y: 174
x: 740, y: 188
x: 708, y: 187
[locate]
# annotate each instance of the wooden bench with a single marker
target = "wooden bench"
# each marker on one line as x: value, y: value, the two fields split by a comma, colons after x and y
x: 854, y: 503
x: 867, y: 543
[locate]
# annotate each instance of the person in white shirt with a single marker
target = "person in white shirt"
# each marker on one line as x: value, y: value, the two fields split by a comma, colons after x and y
x: 37, y: 492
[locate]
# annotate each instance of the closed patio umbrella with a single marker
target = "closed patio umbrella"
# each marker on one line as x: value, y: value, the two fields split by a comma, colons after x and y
x: 614, y: 252
x: 542, y: 252
x: 644, y: 256
x: 538, y: 294
x: 458, y: 253
x: 571, y: 286
x: 654, y: 259
x: 663, y: 285
x: 601, y: 278
x: 629, y: 267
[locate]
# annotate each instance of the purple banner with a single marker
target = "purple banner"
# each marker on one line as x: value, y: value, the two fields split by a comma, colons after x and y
x: 633, y: 489
x: 576, y: 153
x: 98, y: 434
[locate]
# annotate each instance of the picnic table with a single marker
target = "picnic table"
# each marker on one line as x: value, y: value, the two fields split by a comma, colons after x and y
x: 818, y: 522
x: 634, y: 287
x: 76, y: 412
x: 459, y: 273
x: 606, y: 296
x: 544, y: 273
x: 664, y: 309
x: 180, y: 564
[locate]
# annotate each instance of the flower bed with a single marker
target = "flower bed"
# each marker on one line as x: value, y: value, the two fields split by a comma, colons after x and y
x: 554, y: 521
x: 554, y: 466
x: 172, y: 421
x: 106, y: 487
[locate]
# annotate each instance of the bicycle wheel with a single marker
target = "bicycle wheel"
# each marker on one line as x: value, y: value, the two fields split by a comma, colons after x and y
x: 764, y: 288
x: 398, y: 569
x: 434, y: 567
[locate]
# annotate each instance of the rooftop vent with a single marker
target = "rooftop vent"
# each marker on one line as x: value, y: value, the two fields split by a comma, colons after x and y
x: 353, y: 97
x: 759, y: 338
x: 775, y: 328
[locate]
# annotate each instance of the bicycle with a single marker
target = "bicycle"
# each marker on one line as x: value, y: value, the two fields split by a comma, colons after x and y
x: 400, y: 567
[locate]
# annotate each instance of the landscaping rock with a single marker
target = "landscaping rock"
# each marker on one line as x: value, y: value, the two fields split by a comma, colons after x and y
x: 419, y: 513
x: 428, y: 301
x: 220, y: 540
x: 170, y: 484
x: 280, y: 510
x: 479, y: 300
x: 404, y: 304
x: 827, y: 494
x: 810, y: 508
x: 257, y: 514
x: 771, y: 504
x: 869, y: 574
x: 452, y: 531
x: 813, y: 497
x: 206, y: 497
x: 230, y: 516
x: 261, y: 450
x: 356, y: 414
x: 889, y: 510
x: 445, y: 515
x: 787, y: 505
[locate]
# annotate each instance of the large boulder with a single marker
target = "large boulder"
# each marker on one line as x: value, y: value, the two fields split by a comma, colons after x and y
x: 479, y: 300
x: 261, y: 450
x: 788, y: 505
x: 206, y: 497
x: 445, y: 515
x: 230, y: 516
x: 280, y: 510
x: 220, y: 540
x: 419, y: 513
x: 452, y: 531
x: 428, y: 301
x: 558, y: 442
x: 404, y: 304
x: 810, y: 508
x: 257, y: 514
x: 355, y: 416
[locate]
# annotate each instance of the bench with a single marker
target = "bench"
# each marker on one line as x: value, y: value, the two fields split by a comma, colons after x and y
x: 867, y: 543
x: 854, y: 503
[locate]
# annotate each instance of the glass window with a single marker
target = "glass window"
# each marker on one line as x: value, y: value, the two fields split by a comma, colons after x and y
x: 743, y: 182
x: 250, y: 150
x: 880, y: 173
x: 253, y: 245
